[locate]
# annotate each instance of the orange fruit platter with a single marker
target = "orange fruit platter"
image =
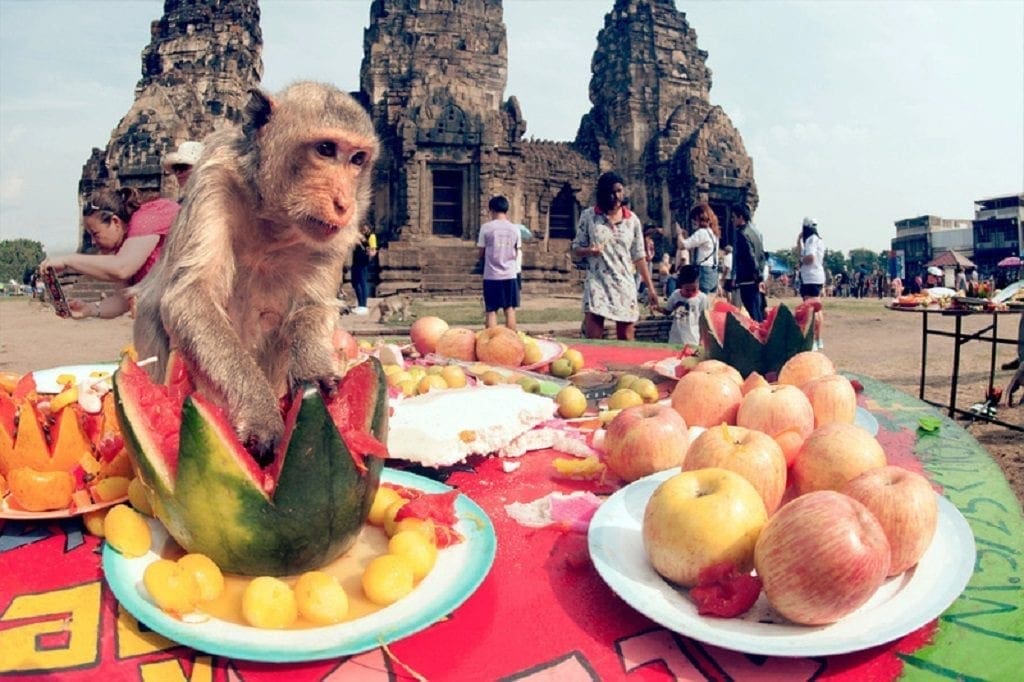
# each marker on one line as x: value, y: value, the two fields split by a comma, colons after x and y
x: 61, y: 449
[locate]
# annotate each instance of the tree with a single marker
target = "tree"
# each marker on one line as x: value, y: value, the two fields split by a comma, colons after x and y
x: 834, y: 261
x: 864, y: 258
x: 18, y: 256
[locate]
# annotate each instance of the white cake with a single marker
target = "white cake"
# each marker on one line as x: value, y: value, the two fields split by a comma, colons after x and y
x: 444, y: 427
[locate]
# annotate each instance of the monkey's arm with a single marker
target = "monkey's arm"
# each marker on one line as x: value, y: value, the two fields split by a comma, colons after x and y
x: 312, y: 353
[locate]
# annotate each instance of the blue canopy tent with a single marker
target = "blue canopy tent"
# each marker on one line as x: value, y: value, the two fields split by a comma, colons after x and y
x: 776, y: 266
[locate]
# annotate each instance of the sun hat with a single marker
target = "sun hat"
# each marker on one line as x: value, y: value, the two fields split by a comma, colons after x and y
x: 934, y: 270
x: 809, y: 222
x: 187, y: 154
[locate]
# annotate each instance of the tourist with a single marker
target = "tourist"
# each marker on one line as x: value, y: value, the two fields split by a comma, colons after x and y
x: 666, y: 275
x: 611, y: 238
x: 681, y: 258
x: 362, y: 256
x: 725, y: 272
x: 524, y: 236
x: 500, y: 242
x: 705, y: 239
x: 649, y: 250
x: 686, y: 305
x: 181, y: 162
x: 129, y: 235
x: 933, y: 277
x: 812, y: 271
x: 748, y: 263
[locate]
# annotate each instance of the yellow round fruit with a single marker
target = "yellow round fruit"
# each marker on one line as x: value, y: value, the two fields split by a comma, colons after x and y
x: 492, y: 378
x: 387, y: 579
x: 417, y: 372
x: 431, y: 382
x: 435, y: 370
x: 138, y: 497
x: 93, y: 521
x: 646, y: 389
x: 127, y: 531
x: 417, y: 548
x: 623, y: 398
x: 390, y: 369
x: 269, y: 603
x: 562, y: 367
x: 454, y: 376
x: 625, y: 381
x: 389, y: 515
x: 424, y: 527
x: 575, y: 358
x: 172, y: 588
x: 409, y: 387
x: 571, y: 402
x: 396, y: 378
x: 532, y: 353
x: 382, y: 500
x: 207, y: 575
x: 320, y: 598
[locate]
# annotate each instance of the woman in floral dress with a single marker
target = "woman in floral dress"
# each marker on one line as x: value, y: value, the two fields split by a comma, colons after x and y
x: 611, y: 238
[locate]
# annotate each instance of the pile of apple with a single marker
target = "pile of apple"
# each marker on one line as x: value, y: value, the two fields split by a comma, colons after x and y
x: 497, y: 345
x: 774, y: 478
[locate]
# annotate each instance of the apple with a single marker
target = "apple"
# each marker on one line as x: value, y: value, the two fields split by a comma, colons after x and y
x: 832, y: 399
x: 719, y: 367
x: 753, y: 380
x: 820, y: 557
x: 645, y: 439
x: 833, y: 455
x: 500, y: 346
x: 780, y: 410
x: 345, y: 345
x: 705, y: 398
x: 700, y: 518
x: 425, y: 333
x: 904, y: 503
x: 803, y: 367
x: 458, y: 343
x: 753, y: 455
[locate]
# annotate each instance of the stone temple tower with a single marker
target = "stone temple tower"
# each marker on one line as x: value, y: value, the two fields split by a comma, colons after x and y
x: 202, y: 59
x: 653, y: 121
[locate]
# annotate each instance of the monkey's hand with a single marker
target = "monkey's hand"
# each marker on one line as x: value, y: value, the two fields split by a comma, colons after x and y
x: 257, y: 419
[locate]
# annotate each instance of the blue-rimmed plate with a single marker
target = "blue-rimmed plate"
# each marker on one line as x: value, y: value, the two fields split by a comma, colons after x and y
x: 458, y: 572
x: 901, y: 605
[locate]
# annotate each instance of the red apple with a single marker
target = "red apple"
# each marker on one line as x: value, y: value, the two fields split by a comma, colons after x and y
x: 834, y: 454
x: 697, y: 519
x: 644, y: 439
x: 781, y: 411
x: 705, y: 398
x: 345, y: 344
x: 753, y: 455
x: 832, y: 399
x: 820, y: 557
x: 904, y: 503
x: 719, y: 367
x: 753, y: 380
x: 804, y: 367
x: 425, y: 332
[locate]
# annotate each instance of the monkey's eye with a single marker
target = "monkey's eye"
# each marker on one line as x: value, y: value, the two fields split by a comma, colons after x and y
x: 359, y: 158
x: 327, y: 148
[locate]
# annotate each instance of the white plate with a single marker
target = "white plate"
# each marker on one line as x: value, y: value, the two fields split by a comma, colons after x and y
x: 46, y: 379
x: 458, y: 572
x: 20, y: 515
x: 901, y: 605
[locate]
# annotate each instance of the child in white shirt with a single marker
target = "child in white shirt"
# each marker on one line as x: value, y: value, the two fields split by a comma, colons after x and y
x: 686, y: 304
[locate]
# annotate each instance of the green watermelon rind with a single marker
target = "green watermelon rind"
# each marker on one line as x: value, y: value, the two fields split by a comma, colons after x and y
x: 741, y: 349
x: 320, y: 503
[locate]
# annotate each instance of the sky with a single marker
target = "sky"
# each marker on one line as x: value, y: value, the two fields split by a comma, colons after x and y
x: 856, y: 113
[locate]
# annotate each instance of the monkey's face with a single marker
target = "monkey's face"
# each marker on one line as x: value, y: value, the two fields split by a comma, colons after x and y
x: 333, y: 185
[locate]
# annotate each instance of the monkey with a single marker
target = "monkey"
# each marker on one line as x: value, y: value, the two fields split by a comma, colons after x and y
x: 245, y: 289
x: 397, y: 305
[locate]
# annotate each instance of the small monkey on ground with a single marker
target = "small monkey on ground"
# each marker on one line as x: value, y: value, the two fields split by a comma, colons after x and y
x: 246, y: 286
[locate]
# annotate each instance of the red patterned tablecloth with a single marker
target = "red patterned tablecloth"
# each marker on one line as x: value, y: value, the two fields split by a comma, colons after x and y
x: 543, y: 612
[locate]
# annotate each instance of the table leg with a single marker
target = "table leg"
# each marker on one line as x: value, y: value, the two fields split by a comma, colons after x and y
x: 924, y: 353
x: 956, y: 366
x: 992, y: 356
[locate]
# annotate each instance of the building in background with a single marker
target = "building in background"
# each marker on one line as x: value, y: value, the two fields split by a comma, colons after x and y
x: 998, y: 225
x: 918, y: 240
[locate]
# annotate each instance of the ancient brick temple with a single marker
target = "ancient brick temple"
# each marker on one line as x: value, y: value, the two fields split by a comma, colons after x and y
x: 433, y: 75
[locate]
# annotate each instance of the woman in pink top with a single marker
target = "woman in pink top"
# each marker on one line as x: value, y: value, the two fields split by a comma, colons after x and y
x: 128, y: 235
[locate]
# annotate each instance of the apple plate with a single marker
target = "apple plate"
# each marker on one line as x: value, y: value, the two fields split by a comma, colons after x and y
x: 901, y: 605
x: 455, y: 577
x: 6, y: 512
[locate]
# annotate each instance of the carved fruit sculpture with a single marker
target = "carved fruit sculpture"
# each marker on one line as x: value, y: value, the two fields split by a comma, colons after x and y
x: 729, y: 335
x: 299, y: 513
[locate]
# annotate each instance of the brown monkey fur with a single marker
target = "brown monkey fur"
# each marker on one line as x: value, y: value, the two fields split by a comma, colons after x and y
x: 246, y: 285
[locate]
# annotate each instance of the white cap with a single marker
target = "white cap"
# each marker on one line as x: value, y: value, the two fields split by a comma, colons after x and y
x: 809, y: 222
x: 188, y: 153
x: 935, y: 270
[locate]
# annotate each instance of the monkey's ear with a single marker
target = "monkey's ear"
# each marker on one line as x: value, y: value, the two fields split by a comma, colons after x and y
x: 258, y: 111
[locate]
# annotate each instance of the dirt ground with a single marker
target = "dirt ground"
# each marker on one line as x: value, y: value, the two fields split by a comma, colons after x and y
x: 860, y: 336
